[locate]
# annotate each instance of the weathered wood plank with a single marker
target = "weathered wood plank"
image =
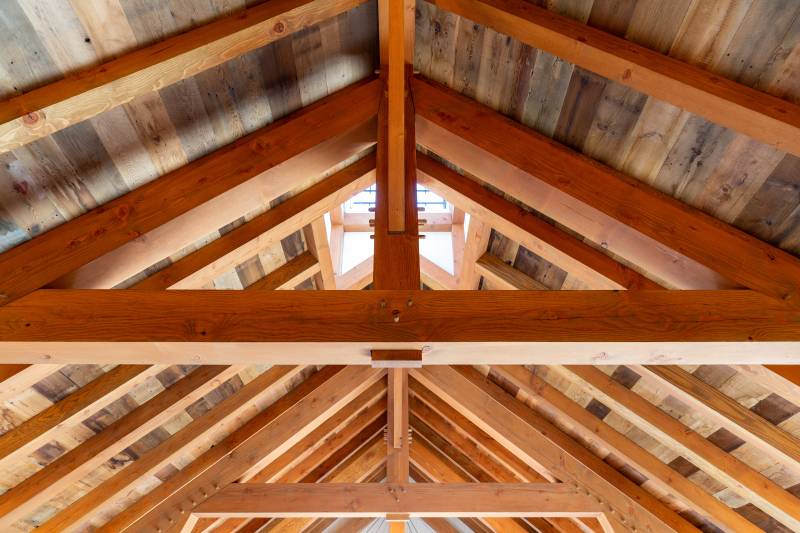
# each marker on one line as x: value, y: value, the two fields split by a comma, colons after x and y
x: 754, y: 113
x: 53, y: 107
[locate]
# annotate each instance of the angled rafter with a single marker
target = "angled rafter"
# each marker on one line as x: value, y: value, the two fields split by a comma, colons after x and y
x: 73, y: 409
x: 493, y: 462
x: 357, y: 468
x: 660, y: 262
x: 289, y: 275
x: 73, y: 465
x: 317, y: 242
x: 541, y: 237
x: 435, y: 449
x: 530, y: 436
x: 761, y: 491
x: 733, y: 105
x: 478, y: 234
x: 73, y: 244
x: 245, y: 451
x: 771, y: 439
x: 378, y: 499
x: 435, y: 276
x: 504, y: 276
x: 441, y: 470
x: 169, y: 238
x: 692, y: 495
x: 357, y: 277
x: 231, y: 249
x: 91, y: 504
x: 332, y: 443
x: 719, y: 246
x: 546, y: 327
x: 15, y: 379
x: 53, y: 107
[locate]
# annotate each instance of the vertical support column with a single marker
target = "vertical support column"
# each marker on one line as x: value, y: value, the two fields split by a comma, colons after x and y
x: 397, y: 433
x: 396, y: 253
x: 396, y: 258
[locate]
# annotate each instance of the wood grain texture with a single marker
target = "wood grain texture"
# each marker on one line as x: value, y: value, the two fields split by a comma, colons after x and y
x: 90, y: 504
x: 78, y: 462
x: 712, y: 459
x: 505, y: 276
x: 691, y: 494
x: 493, y: 209
x: 365, y: 499
x: 731, y: 252
x: 535, y: 440
x: 33, y: 264
x: 757, y: 114
x: 53, y: 107
x: 231, y: 249
x: 290, y: 275
x: 220, y: 316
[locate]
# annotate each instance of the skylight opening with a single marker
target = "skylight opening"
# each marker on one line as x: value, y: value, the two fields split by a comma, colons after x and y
x: 363, y: 201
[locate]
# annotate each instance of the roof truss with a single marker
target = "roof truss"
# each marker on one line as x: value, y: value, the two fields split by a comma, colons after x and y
x: 328, y: 428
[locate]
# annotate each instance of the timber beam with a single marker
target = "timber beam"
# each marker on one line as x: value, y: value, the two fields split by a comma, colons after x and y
x: 451, y: 327
x: 379, y: 499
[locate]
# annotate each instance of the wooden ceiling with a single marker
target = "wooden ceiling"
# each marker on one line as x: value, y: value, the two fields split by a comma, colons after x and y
x: 132, y: 441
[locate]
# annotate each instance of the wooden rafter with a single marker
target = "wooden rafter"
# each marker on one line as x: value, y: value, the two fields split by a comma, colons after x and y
x: 73, y: 409
x: 532, y: 438
x: 69, y: 246
x: 91, y: 504
x: 504, y: 276
x: 723, y: 466
x: 258, y: 442
x: 133, y: 257
x: 771, y: 439
x: 691, y: 494
x: 327, y: 450
x: 43, y: 111
x: 289, y: 275
x: 709, y: 241
x: 757, y: 114
x: 542, y: 238
x: 72, y: 466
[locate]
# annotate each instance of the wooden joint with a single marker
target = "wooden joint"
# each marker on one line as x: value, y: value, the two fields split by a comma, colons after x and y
x: 396, y: 358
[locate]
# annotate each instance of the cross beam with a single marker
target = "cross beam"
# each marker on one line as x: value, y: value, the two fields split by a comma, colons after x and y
x: 451, y: 327
x: 416, y: 500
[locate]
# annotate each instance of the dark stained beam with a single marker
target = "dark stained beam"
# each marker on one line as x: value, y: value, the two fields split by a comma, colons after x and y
x: 504, y: 327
